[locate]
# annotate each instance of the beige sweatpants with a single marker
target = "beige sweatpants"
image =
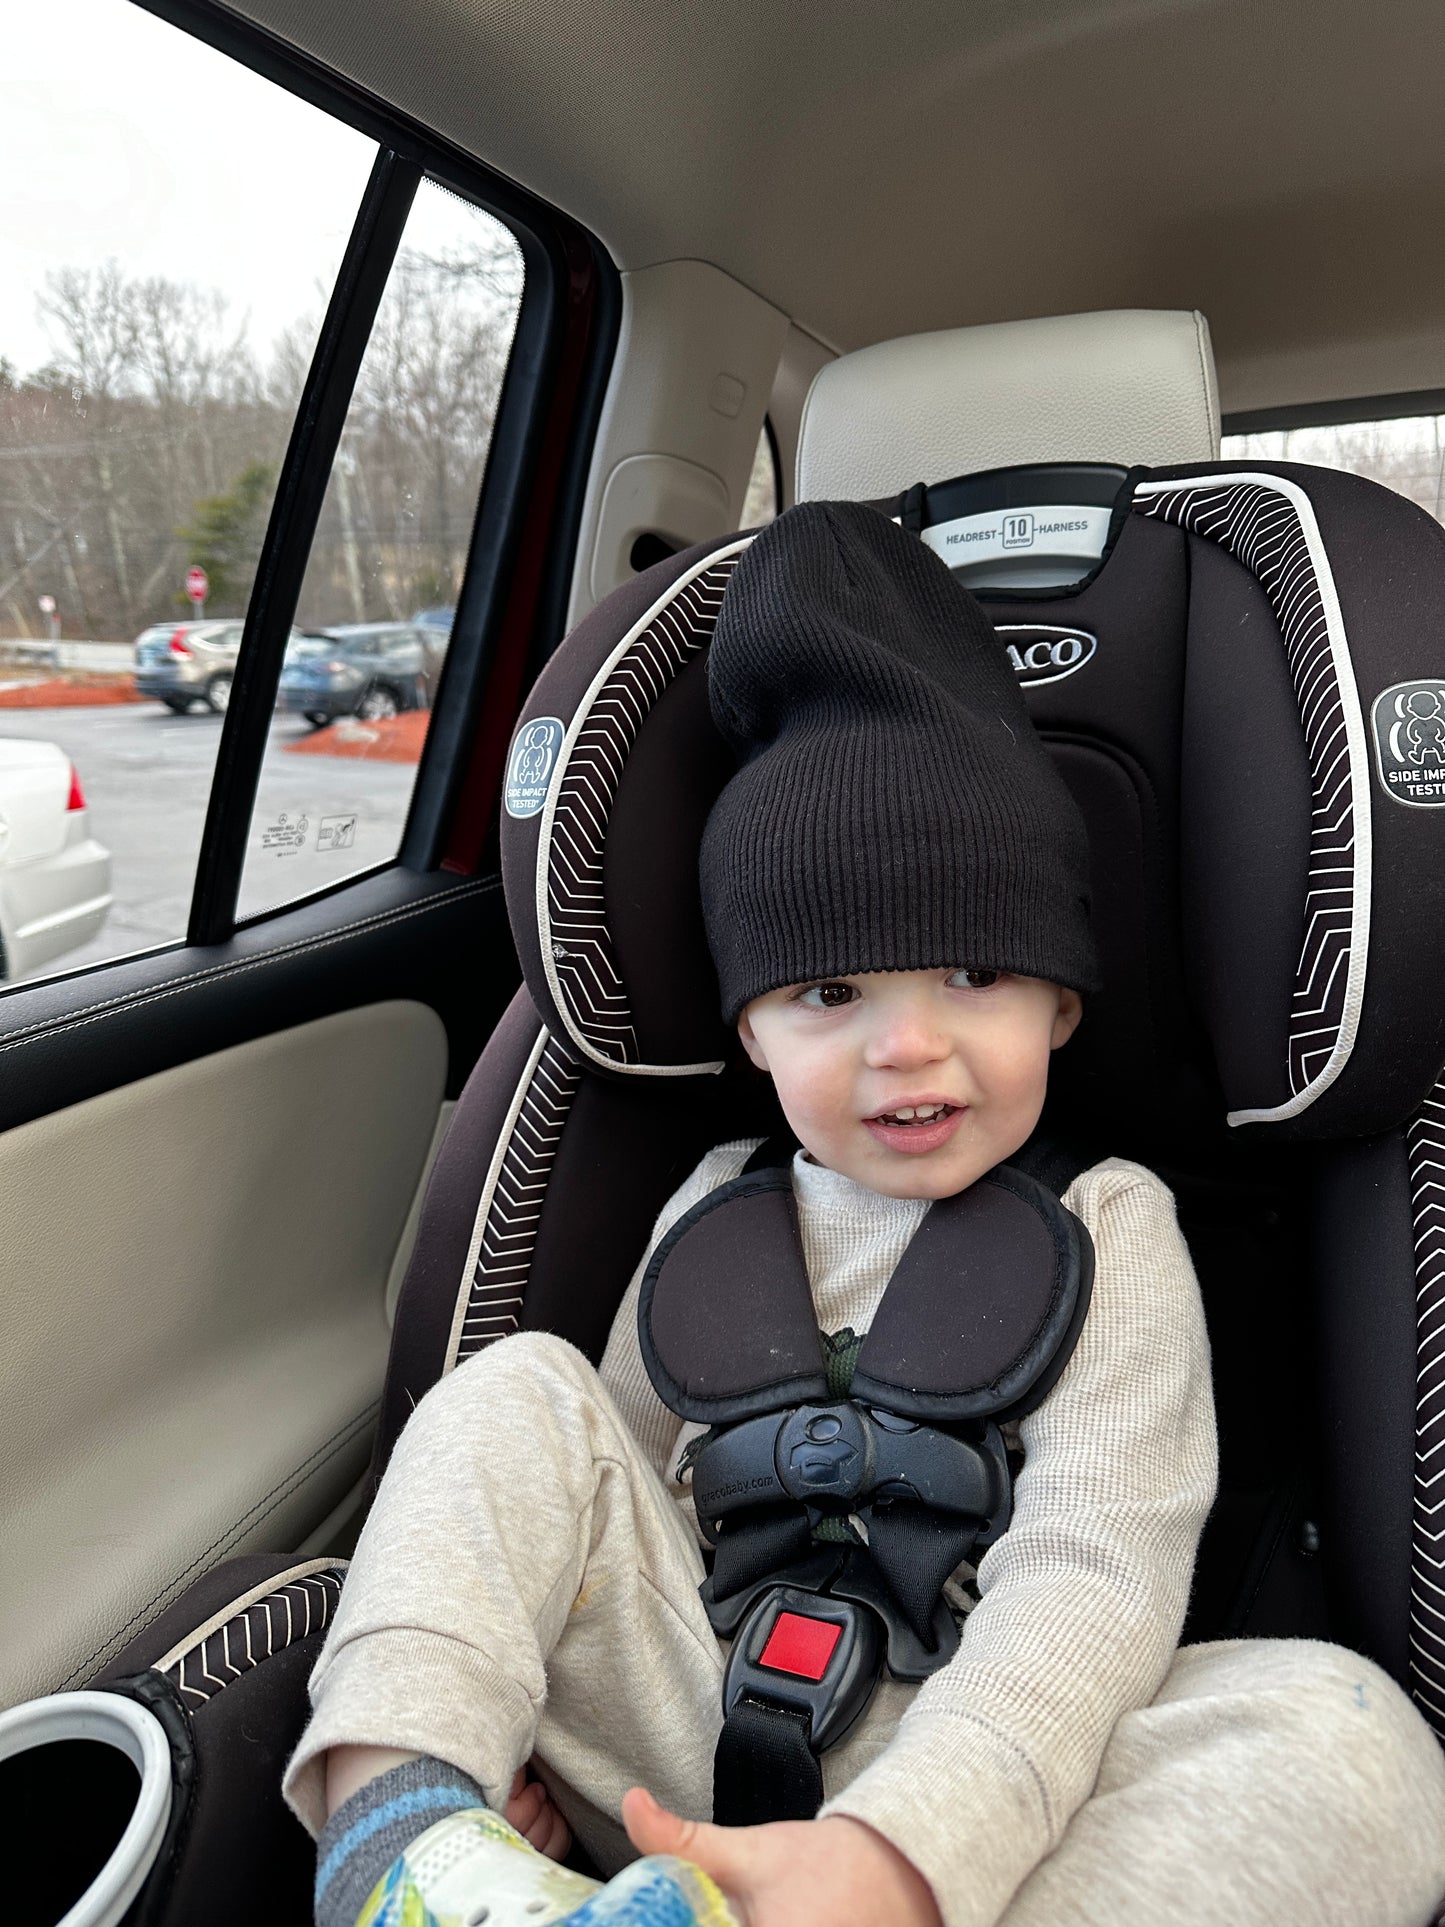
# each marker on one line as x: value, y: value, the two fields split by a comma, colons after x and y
x: 526, y: 1588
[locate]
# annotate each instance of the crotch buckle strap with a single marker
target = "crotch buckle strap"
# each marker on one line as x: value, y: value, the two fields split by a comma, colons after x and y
x: 801, y: 1672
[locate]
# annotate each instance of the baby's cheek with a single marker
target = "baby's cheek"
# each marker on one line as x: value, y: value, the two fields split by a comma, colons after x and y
x: 816, y: 1104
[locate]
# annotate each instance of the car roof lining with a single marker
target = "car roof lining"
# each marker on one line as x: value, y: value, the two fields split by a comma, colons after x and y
x: 891, y: 170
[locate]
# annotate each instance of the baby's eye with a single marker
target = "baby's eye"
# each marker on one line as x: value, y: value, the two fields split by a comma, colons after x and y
x: 829, y: 996
x: 974, y: 979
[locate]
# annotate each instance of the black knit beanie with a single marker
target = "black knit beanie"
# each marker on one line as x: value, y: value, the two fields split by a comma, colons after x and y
x: 893, y: 809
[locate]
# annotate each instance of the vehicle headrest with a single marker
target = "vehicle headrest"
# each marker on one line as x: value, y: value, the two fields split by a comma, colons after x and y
x: 1131, y: 386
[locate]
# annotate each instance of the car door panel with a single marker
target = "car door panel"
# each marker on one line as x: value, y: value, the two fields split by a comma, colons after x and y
x: 437, y: 938
x: 217, y: 1298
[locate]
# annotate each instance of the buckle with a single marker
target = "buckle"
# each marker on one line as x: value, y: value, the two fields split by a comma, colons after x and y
x: 813, y: 1654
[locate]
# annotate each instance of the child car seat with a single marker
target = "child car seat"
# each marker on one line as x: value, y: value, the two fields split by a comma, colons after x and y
x: 1267, y: 908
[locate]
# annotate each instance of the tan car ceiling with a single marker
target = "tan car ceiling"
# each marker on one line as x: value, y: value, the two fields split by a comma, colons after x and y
x: 874, y: 170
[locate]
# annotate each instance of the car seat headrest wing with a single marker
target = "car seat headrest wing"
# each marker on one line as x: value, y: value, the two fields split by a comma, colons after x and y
x: 1313, y: 790
x: 613, y: 769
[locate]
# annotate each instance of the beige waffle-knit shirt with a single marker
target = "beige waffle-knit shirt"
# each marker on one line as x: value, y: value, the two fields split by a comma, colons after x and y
x: 1080, y: 1603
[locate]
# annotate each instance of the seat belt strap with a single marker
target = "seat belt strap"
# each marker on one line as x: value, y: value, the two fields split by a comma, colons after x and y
x: 764, y: 1768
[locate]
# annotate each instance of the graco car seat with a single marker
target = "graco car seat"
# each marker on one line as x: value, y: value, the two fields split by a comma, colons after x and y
x: 1223, y: 662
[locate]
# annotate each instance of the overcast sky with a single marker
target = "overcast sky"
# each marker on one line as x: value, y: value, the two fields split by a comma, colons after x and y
x: 122, y: 137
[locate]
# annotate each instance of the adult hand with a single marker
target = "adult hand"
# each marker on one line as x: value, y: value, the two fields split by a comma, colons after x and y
x: 530, y: 1810
x: 793, y: 1873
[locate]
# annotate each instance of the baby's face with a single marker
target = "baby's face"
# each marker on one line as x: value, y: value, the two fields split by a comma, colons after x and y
x: 969, y: 1049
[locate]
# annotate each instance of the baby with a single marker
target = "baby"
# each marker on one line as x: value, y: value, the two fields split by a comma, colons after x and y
x: 894, y: 884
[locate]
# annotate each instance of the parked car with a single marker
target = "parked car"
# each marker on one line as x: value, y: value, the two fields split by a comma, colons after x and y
x: 54, y: 876
x: 185, y: 662
x: 373, y: 670
x: 442, y: 618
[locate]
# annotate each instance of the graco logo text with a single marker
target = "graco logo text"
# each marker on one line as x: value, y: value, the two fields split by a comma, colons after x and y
x: 1040, y: 653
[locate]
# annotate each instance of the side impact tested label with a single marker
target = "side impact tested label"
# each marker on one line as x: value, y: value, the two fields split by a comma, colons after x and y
x: 1409, y: 726
x: 530, y: 767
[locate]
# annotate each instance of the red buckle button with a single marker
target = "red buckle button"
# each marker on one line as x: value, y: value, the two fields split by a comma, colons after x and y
x: 800, y: 1646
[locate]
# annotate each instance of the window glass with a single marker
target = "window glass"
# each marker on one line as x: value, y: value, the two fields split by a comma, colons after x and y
x: 763, y: 500
x: 1406, y: 454
x: 381, y: 586
x: 171, y: 225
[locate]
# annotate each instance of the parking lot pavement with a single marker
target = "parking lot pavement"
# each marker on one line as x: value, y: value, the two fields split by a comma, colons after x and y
x: 146, y: 774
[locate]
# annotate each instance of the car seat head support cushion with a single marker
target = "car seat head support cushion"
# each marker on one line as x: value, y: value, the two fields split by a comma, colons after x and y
x: 612, y: 774
x: 894, y: 809
x: 1313, y: 842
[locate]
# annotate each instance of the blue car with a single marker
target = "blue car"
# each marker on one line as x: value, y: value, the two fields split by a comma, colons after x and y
x: 371, y: 670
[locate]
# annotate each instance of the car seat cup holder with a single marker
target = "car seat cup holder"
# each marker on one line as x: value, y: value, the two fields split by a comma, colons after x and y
x: 105, y: 1721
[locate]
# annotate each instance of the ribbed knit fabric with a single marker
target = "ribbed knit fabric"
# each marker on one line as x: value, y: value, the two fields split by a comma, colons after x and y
x: 894, y: 808
x: 368, y: 1832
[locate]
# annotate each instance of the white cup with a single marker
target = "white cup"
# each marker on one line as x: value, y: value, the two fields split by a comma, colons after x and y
x: 132, y: 1729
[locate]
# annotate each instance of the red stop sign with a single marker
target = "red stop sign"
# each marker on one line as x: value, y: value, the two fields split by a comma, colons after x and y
x: 198, y: 584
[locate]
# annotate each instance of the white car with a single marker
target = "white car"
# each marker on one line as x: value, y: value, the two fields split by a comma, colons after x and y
x: 54, y: 877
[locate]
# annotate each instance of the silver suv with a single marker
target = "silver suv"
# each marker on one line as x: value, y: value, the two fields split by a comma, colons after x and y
x: 180, y: 662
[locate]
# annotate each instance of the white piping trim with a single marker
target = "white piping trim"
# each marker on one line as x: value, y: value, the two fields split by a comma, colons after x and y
x: 549, y: 812
x: 1360, y: 798
x: 484, y: 1206
x: 185, y: 1647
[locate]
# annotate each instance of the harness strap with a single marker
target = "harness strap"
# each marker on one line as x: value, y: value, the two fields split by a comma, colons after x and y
x: 764, y: 1768
x: 795, y: 1682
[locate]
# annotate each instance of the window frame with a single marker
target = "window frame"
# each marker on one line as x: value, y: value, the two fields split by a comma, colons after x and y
x: 547, y: 413
x: 1335, y: 414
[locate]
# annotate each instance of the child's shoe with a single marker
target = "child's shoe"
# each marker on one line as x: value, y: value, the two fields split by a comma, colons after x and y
x: 473, y: 1870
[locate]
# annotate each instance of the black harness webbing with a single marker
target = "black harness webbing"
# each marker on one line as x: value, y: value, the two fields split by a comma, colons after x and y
x: 764, y: 1769
x: 908, y: 1455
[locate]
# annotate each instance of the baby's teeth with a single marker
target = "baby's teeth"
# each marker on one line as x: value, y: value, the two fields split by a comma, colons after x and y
x: 905, y: 1112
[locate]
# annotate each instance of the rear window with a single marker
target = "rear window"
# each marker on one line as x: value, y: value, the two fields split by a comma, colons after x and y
x: 1405, y: 452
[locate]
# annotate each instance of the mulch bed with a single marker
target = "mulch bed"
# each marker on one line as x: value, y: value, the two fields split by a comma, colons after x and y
x: 70, y: 692
x: 397, y: 741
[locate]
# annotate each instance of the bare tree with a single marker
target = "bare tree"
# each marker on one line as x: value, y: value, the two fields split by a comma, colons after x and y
x: 148, y: 428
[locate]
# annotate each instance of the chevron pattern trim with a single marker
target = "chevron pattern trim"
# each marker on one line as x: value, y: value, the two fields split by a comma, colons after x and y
x: 509, y: 1237
x: 264, y: 1628
x: 1261, y: 528
x: 587, y: 974
x: 1425, y: 1142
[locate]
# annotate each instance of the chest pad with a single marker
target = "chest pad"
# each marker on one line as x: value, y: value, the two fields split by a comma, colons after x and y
x: 977, y: 1321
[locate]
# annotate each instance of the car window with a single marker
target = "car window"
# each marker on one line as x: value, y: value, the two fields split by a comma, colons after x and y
x: 160, y: 296
x: 1404, y: 452
x: 351, y: 722
x: 764, y: 499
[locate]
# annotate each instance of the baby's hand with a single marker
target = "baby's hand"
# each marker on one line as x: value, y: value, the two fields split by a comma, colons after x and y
x: 793, y: 1873
x: 530, y: 1810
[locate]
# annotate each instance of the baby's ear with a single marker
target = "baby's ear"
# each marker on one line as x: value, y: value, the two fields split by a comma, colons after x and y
x: 750, y: 1042
x: 1071, y: 1009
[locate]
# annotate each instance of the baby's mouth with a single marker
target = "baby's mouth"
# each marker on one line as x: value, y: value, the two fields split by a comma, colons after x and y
x: 916, y: 1115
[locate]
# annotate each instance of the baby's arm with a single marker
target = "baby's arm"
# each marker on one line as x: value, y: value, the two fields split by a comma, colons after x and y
x: 1082, y: 1600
